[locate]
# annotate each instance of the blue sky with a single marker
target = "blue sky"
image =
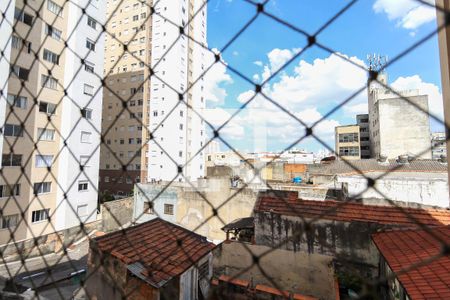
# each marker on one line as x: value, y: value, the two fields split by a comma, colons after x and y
x: 316, y: 81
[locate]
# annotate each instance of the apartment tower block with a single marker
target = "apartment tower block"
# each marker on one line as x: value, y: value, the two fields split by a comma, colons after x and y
x: 50, y: 82
x: 153, y: 99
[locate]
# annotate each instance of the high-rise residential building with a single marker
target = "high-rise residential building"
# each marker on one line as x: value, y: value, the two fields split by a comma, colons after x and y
x: 50, y: 82
x: 398, y: 126
x: 347, y: 142
x: 153, y: 97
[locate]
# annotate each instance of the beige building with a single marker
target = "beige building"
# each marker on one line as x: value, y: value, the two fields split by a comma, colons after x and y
x: 45, y: 132
x: 347, y: 142
x: 137, y: 102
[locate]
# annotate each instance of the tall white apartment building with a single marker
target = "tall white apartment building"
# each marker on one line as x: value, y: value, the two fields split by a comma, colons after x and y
x: 177, y: 130
x: 51, y: 114
x: 397, y: 126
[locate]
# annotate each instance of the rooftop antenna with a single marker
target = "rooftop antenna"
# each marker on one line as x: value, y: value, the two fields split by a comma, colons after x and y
x: 377, y: 62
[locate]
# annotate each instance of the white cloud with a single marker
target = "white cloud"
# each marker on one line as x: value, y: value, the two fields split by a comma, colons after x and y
x: 435, y: 102
x: 215, y: 78
x: 217, y: 116
x: 409, y: 14
x: 258, y: 63
x: 235, y: 53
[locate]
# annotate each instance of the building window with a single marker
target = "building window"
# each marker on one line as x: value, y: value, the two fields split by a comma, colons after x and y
x: 40, y: 215
x: 11, y: 160
x: 84, y: 160
x: 348, y: 151
x: 51, y: 57
x: 129, y: 181
x: 83, y: 186
x: 348, y: 137
x: 20, y: 72
x: 48, y: 108
x: 17, y: 101
x: 20, y: 43
x: 82, y: 210
x: 203, y: 271
x: 86, y: 113
x: 85, y: 137
x: 89, y: 67
x: 148, y: 208
x: 91, y: 22
x: 53, y: 32
x: 90, y: 45
x: 43, y: 161
x: 168, y: 209
x: 88, y: 89
x: 42, y: 187
x: 9, y: 221
x: 21, y: 16
x: 12, y: 130
x: 46, y: 134
x: 107, y: 178
x: 9, y: 190
x: 49, y: 82
x: 54, y: 8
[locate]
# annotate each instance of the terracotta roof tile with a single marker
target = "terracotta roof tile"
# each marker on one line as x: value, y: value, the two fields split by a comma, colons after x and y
x: 340, y: 211
x: 162, y: 249
x: 403, y: 248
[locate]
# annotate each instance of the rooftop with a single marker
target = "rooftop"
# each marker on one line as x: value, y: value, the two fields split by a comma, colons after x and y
x: 348, y: 212
x: 403, y: 248
x: 155, y: 251
x: 372, y: 165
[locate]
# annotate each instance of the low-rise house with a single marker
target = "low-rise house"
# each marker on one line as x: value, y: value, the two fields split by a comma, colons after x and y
x: 153, y: 260
x: 340, y: 229
x: 408, y: 181
x: 413, y: 264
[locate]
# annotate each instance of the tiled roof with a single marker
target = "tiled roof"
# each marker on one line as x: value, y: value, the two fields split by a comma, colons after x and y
x: 346, y: 211
x: 372, y: 165
x: 157, y: 250
x: 403, y: 248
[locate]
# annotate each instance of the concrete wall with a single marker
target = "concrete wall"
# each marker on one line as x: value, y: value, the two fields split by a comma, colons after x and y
x: 431, y: 189
x: 48, y: 243
x: 299, y: 272
x: 349, y: 243
x: 117, y: 213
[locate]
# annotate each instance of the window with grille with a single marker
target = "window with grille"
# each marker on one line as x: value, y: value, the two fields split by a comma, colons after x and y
x: 40, y: 215
x: 348, y: 137
x: 42, y: 187
x: 90, y: 45
x: 20, y: 43
x: 89, y: 67
x: 168, y: 209
x: 11, y: 160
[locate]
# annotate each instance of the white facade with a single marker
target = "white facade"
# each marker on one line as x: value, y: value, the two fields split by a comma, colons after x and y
x: 409, y: 187
x: 6, y: 23
x: 81, y: 206
x: 398, y: 127
x: 438, y: 145
x: 177, y: 131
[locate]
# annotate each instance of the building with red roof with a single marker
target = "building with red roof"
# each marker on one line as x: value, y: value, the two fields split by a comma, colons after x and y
x: 339, y: 229
x: 153, y: 260
x: 414, y: 263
